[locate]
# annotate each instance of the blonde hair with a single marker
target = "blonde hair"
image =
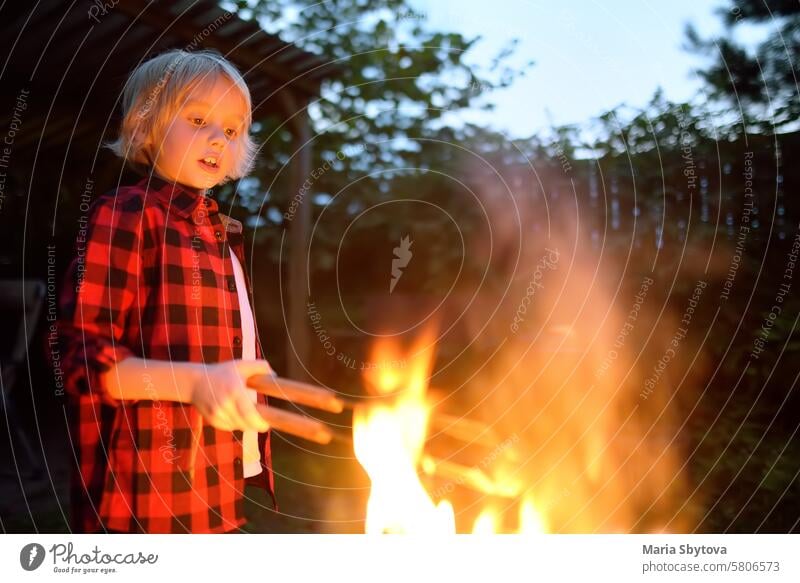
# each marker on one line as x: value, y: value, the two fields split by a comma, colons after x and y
x: 155, y: 92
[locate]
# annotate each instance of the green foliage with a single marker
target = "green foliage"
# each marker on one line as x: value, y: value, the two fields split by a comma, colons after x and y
x: 746, y: 466
x: 760, y: 85
x: 396, y: 79
x: 381, y: 124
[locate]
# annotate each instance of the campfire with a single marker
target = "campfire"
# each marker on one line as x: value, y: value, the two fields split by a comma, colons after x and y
x: 554, y: 434
x: 552, y: 431
x: 390, y: 437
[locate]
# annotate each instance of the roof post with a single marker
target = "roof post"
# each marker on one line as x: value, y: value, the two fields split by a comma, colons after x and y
x: 297, y: 348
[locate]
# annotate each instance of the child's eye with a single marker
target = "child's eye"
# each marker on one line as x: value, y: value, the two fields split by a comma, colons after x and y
x: 231, y: 132
x: 196, y: 120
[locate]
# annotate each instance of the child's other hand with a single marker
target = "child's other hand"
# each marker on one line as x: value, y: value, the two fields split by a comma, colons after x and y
x: 220, y: 394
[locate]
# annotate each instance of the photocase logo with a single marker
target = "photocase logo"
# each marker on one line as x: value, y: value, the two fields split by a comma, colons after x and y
x: 402, y: 255
x: 31, y: 556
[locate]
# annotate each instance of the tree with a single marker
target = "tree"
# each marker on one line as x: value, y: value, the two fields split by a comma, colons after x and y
x: 397, y: 83
x: 383, y: 117
x: 378, y: 124
x: 761, y: 84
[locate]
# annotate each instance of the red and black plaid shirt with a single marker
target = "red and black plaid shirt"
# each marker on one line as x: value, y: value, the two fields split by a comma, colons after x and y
x: 153, y: 278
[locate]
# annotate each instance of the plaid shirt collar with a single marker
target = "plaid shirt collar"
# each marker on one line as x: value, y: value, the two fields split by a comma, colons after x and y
x: 178, y: 198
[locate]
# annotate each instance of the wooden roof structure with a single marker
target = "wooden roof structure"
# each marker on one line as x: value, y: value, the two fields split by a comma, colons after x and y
x: 74, y: 57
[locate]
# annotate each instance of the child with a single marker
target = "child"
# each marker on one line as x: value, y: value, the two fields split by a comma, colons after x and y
x: 157, y: 328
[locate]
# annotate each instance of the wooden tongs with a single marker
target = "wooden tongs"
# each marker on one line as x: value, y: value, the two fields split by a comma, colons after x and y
x: 462, y: 429
x: 299, y: 393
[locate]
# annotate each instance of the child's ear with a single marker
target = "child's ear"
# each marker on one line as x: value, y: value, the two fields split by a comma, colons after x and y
x: 146, y: 149
x: 139, y: 137
x: 144, y: 143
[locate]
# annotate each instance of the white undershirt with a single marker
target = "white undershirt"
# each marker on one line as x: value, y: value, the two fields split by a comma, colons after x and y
x: 251, y: 455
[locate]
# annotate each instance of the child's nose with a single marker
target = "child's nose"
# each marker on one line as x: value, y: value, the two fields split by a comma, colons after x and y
x: 217, y: 136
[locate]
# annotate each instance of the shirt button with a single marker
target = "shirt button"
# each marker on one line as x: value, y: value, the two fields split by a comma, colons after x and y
x: 237, y: 341
x: 218, y: 235
x: 232, y: 286
x: 237, y: 461
x: 207, y: 201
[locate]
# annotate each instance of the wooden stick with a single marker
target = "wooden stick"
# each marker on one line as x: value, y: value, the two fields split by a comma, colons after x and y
x: 460, y: 428
x: 294, y: 424
x: 296, y: 392
x: 468, y: 476
x: 464, y: 429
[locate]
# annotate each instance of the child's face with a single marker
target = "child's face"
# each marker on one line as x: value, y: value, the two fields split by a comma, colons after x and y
x: 201, y: 144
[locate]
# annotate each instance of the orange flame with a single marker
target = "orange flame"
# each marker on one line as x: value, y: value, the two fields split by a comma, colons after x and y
x: 389, y: 440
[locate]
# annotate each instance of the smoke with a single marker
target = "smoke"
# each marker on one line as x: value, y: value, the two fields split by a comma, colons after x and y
x: 555, y: 354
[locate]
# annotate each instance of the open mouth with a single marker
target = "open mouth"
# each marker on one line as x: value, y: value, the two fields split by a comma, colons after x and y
x: 209, y: 164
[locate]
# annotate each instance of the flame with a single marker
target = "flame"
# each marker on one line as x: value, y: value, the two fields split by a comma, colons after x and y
x: 486, y: 523
x: 531, y: 520
x: 581, y: 440
x: 389, y: 439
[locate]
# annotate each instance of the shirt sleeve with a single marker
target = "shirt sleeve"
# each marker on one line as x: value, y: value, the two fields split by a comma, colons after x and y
x: 99, y: 292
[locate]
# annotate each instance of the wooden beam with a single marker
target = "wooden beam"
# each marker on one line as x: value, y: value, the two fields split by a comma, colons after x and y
x: 160, y: 19
x: 298, y: 338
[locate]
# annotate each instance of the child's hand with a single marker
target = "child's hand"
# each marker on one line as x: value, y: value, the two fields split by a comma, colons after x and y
x: 220, y: 394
